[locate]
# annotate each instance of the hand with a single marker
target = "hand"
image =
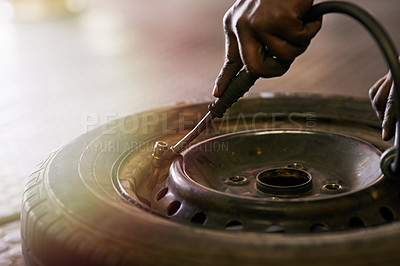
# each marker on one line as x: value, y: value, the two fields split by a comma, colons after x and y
x: 382, y: 100
x: 265, y: 36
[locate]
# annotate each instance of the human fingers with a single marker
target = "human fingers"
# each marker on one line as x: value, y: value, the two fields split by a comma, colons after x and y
x: 283, y: 31
x: 257, y: 58
x: 287, y: 42
x: 231, y: 67
x: 379, y: 101
x: 281, y: 48
x: 374, y: 88
x: 389, y: 119
x: 297, y: 32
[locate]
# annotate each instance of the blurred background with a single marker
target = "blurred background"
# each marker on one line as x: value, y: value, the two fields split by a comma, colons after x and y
x: 67, y: 66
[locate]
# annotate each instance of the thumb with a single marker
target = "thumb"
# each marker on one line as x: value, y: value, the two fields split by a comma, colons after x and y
x: 232, y: 65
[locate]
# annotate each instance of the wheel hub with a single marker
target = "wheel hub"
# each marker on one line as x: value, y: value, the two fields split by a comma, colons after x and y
x: 271, y: 179
x: 286, y: 163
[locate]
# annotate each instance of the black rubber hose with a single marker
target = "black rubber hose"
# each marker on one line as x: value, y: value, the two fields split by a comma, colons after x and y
x: 243, y: 81
x: 385, y: 44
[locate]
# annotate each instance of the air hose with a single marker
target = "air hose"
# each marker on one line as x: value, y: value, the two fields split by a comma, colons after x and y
x: 390, y: 164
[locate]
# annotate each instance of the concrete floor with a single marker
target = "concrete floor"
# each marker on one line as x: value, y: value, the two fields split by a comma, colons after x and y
x: 64, y: 75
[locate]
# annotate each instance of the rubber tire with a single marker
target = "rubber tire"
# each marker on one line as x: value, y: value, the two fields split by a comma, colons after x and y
x: 73, y: 215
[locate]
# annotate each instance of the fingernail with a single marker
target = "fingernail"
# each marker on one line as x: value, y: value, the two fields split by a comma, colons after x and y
x: 215, y: 91
x: 384, y: 134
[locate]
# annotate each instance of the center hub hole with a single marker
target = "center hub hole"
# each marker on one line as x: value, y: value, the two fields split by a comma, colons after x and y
x: 284, y: 181
x: 284, y: 177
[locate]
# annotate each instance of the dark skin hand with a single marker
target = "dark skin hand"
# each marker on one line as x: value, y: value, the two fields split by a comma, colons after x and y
x: 382, y: 100
x: 264, y: 37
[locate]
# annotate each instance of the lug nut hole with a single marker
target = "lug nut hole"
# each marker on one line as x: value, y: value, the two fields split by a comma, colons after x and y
x: 332, y: 187
x: 236, y: 180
